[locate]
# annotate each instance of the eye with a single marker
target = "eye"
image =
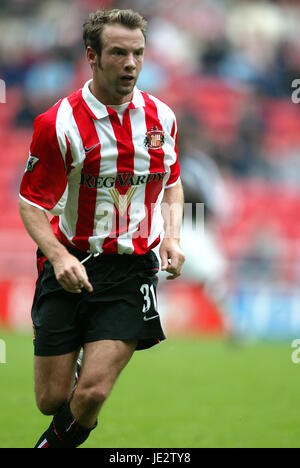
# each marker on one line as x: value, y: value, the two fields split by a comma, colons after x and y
x: 139, y: 53
x: 119, y: 52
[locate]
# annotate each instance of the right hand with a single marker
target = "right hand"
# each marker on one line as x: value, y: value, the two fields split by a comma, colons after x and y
x: 71, y: 274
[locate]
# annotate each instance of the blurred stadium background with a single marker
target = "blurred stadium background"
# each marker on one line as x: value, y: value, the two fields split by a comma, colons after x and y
x: 226, y: 68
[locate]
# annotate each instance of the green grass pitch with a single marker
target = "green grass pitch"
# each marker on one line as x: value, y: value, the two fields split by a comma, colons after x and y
x: 183, y: 393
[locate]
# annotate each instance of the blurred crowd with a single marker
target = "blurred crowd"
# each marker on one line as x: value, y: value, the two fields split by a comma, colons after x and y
x: 224, y: 64
x: 227, y: 68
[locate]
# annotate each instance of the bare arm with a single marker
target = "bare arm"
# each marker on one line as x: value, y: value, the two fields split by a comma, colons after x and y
x: 69, y: 272
x: 170, y: 251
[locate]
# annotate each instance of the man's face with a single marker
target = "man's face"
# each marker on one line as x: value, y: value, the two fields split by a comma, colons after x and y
x: 120, y: 63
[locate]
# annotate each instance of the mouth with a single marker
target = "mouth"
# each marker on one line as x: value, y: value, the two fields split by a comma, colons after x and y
x: 127, y: 79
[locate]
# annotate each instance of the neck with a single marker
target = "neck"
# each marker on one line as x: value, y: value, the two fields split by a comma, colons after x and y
x: 108, y: 98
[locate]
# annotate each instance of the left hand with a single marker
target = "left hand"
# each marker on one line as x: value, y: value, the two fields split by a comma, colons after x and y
x: 172, y: 257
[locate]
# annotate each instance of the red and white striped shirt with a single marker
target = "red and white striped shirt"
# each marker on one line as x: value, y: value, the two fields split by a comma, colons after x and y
x: 103, y: 179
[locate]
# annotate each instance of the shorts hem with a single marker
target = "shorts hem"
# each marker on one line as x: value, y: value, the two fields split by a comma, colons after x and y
x: 142, y: 343
x: 54, y: 352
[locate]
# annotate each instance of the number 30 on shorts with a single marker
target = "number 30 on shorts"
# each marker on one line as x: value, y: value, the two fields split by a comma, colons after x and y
x: 149, y: 297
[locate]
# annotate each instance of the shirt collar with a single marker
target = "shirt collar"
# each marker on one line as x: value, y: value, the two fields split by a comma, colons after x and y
x: 99, y: 110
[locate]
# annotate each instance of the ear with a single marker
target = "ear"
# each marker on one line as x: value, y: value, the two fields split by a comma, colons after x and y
x: 91, y: 56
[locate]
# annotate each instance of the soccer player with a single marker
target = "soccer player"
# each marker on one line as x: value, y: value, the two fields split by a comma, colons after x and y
x: 103, y: 161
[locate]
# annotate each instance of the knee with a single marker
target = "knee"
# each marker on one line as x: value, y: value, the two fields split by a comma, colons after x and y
x: 49, y: 405
x: 91, y: 397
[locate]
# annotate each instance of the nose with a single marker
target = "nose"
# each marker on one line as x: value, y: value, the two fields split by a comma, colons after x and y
x: 130, y: 63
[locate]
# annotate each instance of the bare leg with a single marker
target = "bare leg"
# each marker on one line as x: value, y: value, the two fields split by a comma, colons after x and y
x: 53, y: 380
x: 103, y: 361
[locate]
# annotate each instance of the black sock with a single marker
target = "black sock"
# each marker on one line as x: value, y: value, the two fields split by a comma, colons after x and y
x: 64, y: 431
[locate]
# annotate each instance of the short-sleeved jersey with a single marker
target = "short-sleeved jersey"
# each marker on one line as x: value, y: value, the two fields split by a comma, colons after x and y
x: 100, y: 177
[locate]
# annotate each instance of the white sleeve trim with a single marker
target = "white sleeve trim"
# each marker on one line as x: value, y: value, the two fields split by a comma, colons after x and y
x: 33, y: 204
x: 174, y: 183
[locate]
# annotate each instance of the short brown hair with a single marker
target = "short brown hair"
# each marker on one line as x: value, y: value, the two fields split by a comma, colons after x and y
x: 94, y: 24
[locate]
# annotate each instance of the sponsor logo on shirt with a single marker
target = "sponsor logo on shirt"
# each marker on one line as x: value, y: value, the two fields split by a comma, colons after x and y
x: 126, y: 179
x: 122, y: 201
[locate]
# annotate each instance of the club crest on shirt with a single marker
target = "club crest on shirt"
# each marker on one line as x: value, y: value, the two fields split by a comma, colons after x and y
x: 155, y: 138
x: 32, y: 160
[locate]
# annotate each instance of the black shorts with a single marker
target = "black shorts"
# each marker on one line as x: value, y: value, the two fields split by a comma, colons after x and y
x: 122, y: 306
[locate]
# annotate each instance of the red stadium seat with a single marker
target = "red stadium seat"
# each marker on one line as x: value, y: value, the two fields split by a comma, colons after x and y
x: 282, y: 128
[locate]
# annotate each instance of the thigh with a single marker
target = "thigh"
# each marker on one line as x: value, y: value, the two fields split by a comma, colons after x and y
x: 103, y: 361
x: 55, y: 316
x: 54, y: 380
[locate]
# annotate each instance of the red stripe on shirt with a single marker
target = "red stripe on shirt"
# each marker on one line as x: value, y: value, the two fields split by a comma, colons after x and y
x: 125, y: 165
x: 175, y: 169
x: 68, y: 158
x: 58, y: 233
x: 153, y: 188
x: 87, y: 198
